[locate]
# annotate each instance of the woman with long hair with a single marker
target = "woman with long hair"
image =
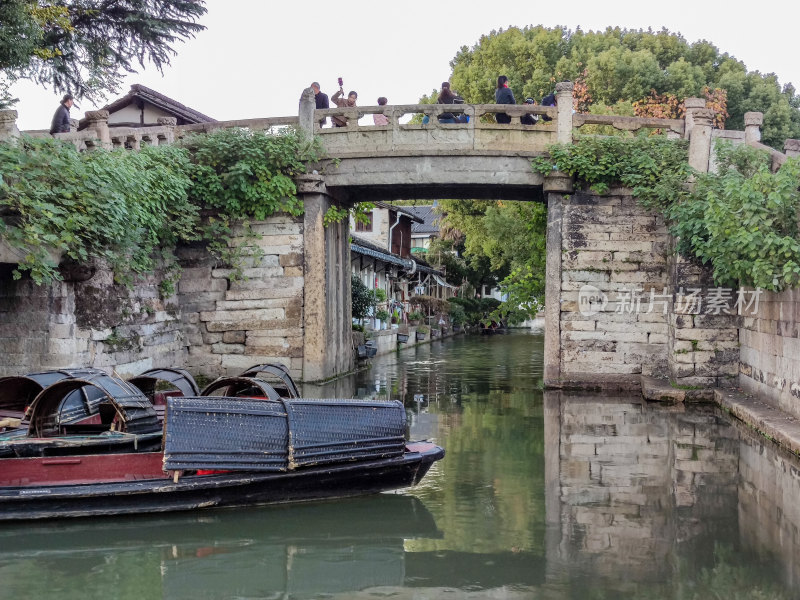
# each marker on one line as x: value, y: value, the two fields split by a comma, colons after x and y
x: 503, y: 95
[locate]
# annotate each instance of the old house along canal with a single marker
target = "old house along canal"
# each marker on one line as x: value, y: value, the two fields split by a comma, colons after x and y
x: 541, y: 495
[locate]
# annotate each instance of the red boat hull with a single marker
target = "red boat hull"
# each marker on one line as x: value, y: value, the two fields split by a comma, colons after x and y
x: 134, y: 491
x: 83, y: 469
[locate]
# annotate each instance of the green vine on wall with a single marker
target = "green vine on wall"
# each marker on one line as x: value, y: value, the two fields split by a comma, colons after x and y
x: 741, y: 220
x: 131, y: 208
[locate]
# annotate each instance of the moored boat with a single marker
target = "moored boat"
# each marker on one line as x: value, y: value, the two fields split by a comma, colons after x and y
x: 250, y: 446
x: 143, y: 488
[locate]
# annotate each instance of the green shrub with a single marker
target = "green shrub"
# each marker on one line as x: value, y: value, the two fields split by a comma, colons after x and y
x: 362, y: 298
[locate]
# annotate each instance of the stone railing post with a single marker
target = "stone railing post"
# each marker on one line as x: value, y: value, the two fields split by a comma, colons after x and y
x: 692, y: 104
x: 700, y: 138
x: 73, y: 125
x: 752, y: 127
x: 8, y: 125
x: 169, y: 136
x: 792, y: 148
x: 564, y: 106
x: 306, y: 111
x: 98, y: 124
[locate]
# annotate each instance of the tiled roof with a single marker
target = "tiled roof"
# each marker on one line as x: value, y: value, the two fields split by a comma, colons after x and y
x: 401, y: 209
x: 184, y: 114
x: 430, y: 219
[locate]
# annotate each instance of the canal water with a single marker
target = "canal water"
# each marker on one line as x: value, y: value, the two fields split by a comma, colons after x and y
x: 541, y: 495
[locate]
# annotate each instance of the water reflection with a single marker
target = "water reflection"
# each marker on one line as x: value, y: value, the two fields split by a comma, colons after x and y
x: 541, y: 495
x: 301, y: 551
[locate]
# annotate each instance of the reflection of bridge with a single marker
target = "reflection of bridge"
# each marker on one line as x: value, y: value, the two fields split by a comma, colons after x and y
x: 294, y: 308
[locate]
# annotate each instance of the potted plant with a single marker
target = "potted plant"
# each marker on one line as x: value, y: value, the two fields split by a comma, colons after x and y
x: 415, y: 317
x: 422, y: 331
x: 383, y: 316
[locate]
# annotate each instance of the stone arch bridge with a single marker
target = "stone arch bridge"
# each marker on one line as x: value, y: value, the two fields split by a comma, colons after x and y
x: 295, y: 306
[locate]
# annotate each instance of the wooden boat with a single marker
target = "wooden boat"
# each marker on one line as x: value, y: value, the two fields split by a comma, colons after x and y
x: 114, y: 484
x: 17, y: 393
x: 252, y: 447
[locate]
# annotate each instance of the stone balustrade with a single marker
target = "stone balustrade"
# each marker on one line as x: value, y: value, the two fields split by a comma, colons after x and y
x: 633, y: 124
x: 415, y: 129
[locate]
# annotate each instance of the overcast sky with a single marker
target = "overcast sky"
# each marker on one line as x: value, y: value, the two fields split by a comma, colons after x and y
x: 256, y: 56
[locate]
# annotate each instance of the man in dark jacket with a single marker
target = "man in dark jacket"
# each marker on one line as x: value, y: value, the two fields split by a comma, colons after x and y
x: 321, y: 100
x: 61, y: 118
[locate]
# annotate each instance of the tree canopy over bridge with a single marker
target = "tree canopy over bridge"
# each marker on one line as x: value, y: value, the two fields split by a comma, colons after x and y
x: 626, y: 72
x: 616, y: 71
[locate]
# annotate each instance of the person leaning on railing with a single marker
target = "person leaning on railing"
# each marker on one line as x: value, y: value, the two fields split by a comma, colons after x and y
x: 503, y: 95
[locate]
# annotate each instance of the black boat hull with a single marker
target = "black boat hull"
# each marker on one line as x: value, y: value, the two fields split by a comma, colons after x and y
x: 217, y: 490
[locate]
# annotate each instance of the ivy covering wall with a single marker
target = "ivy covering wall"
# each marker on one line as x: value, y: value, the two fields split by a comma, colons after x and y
x: 741, y: 220
x: 131, y: 208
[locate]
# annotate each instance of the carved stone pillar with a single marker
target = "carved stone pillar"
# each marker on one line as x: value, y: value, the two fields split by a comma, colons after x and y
x: 8, y: 125
x: 692, y: 104
x: 752, y: 127
x: 700, y: 139
x: 98, y: 123
x: 564, y: 105
x: 792, y: 148
x: 306, y: 111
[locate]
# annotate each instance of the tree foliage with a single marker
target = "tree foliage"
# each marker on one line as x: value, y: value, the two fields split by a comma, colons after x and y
x: 249, y: 174
x: 362, y: 298
x: 504, y: 243
x: 743, y: 220
x: 86, y: 46
x: 623, y: 65
x: 117, y: 206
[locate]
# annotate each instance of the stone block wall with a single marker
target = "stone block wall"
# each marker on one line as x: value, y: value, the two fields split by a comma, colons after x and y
x: 90, y: 323
x: 769, y: 357
x: 231, y: 325
x: 621, y: 304
x: 214, y: 324
x: 613, y: 259
x: 703, y: 328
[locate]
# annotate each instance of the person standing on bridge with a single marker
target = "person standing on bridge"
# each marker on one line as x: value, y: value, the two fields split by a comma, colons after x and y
x: 60, y: 122
x: 503, y: 95
x: 549, y: 100
x: 341, y: 102
x: 321, y: 101
x: 379, y: 118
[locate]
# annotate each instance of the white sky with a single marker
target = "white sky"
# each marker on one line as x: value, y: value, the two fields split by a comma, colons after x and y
x: 256, y: 56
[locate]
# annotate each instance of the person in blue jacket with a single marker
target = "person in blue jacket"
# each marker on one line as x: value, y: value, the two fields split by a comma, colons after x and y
x: 503, y: 95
